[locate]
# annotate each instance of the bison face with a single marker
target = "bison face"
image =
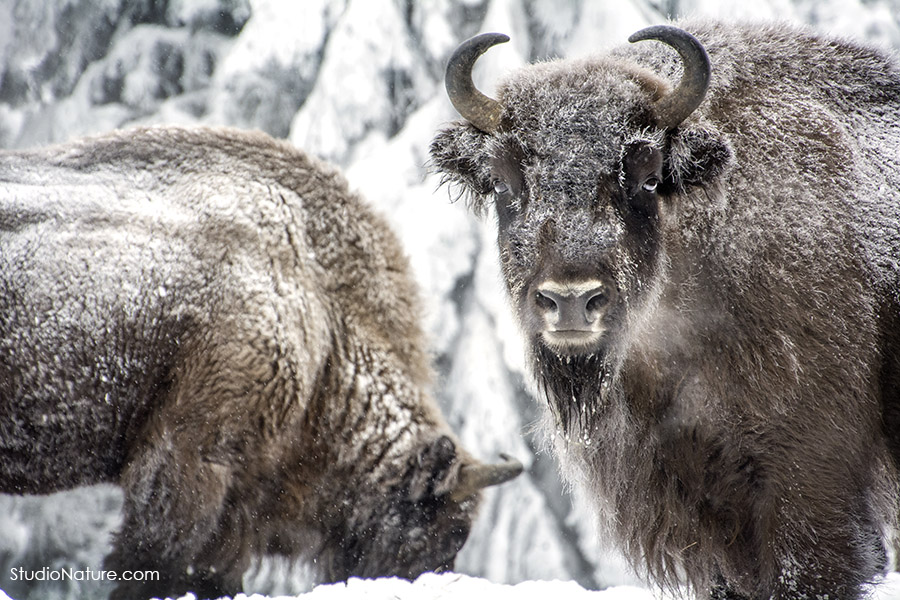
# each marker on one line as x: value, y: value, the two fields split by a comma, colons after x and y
x: 577, y: 240
x: 581, y: 170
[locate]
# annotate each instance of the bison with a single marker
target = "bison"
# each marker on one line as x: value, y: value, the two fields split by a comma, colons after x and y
x: 212, y: 320
x: 699, y: 237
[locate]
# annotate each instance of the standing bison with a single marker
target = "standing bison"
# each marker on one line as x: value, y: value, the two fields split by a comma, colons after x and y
x: 212, y: 320
x: 708, y: 279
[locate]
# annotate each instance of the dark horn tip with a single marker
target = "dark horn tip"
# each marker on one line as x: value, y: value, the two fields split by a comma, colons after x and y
x: 650, y: 33
x: 491, y: 38
x: 668, y: 34
x: 480, y: 43
x: 514, y: 466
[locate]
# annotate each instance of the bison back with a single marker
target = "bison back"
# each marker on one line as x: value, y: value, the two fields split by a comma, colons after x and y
x: 124, y: 271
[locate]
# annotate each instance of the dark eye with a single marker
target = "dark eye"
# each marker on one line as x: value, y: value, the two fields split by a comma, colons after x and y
x: 650, y: 185
x: 501, y: 187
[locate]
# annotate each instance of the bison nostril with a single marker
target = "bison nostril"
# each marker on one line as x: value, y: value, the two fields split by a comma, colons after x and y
x: 596, y: 303
x: 545, y: 302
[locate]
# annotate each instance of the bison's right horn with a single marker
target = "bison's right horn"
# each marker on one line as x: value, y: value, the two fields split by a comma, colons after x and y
x: 476, y: 108
x: 676, y: 106
x: 475, y: 477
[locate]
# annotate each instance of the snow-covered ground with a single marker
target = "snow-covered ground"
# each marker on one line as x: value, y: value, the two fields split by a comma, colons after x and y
x: 449, y: 586
x: 454, y: 586
x: 357, y: 82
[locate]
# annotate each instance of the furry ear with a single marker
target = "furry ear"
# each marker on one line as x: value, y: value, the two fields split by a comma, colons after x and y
x: 436, y: 469
x: 459, y: 152
x: 697, y: 156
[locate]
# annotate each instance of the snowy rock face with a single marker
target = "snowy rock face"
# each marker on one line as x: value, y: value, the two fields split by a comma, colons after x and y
x: 359, y: 83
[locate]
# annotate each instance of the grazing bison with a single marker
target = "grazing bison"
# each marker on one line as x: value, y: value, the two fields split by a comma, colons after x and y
x: 212, y: 320
x: 709, y: 284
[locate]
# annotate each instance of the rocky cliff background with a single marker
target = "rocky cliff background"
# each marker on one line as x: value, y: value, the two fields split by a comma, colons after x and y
x: 359, y: 83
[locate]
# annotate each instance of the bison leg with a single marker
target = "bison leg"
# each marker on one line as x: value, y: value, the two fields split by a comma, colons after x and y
x: 175, y: 523
x: 838, y: 549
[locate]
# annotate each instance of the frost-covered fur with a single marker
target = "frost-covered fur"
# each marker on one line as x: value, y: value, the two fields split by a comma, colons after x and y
x: 737, y: 424
x: 212, y: 320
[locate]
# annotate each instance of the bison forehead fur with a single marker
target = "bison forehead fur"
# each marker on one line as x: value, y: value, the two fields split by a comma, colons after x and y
x: 710, y: 304
x: 211, y: 319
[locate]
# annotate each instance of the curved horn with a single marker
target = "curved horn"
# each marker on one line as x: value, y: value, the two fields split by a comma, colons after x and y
x: 675, y: 107
x: 475, y: 107
x: 475, y: 477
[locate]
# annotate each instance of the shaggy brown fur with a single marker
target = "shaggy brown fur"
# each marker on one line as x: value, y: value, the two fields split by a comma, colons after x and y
x: 733, y: 407
x: 213, y: 320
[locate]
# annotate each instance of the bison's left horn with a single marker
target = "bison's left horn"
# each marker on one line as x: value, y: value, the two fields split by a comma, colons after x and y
x: 476, y: 108
x: 475, y: 477
x: 676, y: 106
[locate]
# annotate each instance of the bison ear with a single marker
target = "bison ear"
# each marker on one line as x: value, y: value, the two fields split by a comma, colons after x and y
x: 697, y: 156
x: 459, y: 153
x: 435, y: 471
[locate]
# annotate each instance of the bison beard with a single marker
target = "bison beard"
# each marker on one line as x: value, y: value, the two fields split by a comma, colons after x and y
x: 708, y: 283
x: 576, y: 387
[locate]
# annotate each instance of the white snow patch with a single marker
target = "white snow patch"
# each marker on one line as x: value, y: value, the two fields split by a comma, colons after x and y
x: 446, y: 586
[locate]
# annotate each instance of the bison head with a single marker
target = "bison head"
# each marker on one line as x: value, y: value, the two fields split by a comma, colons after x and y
x: 417, y: 518
x: 582, y: 161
